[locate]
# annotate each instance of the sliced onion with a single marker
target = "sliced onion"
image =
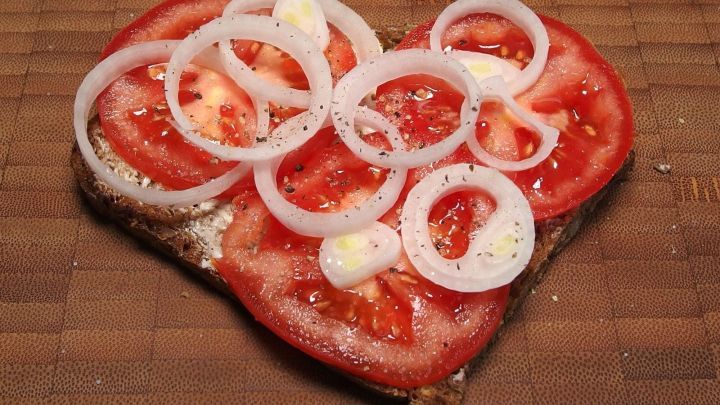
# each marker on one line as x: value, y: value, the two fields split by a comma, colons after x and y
x: 363, y: 38
x: 499, y: 251
x: 365, y: 44
x: 495, y: 88
x: 210, y: 58
x: 242, y: 73
x: 246, y: 6
x: 318, y: 224
x: 94, y: 83
x: 357, y: 83
x: 349, y: 259
x: 314, y: 25
x: 290, y: 134
x: 483, y: 66
x: 514, y: 11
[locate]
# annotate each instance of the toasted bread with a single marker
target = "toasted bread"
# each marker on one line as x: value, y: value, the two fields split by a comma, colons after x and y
x: 191, y: 236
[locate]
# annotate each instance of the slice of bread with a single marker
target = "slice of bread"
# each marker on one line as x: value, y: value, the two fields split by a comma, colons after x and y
x: 192, y: 237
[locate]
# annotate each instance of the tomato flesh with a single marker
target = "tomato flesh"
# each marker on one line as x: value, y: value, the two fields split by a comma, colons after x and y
x: 133, y: 110
x: 280, y: 68
x: 578, y: 93
x: 172, y: 19
x: 493, y: 35
x: 454, y: 219
x: 392, y: 318
x: 396, y: 328
x: 134, y: 115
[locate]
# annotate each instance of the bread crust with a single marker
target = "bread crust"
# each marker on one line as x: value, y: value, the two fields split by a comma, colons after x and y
x: 164, y: 229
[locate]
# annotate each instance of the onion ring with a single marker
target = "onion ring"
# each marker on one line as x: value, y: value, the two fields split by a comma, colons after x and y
x: 516, y: 12
x: 317, y: 30
x: 499, y: 251
x: 333, y: 224
x: 242, y: 73
x: 495, y: 88
x: 94, y: 83
x: 290, y: 134
x: 365, y: 44
x: 349, y: 259
x: 365, y: 77
x: 363, y: 38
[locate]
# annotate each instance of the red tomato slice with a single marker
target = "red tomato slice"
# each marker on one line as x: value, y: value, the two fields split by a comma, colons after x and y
x: 172, y: 19
x: 396, y: 328
x: 579, y: 93
x: 134, y: 117
x: 133, y: 111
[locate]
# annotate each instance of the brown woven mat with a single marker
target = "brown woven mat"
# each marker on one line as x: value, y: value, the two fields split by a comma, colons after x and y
x: 87, y: 313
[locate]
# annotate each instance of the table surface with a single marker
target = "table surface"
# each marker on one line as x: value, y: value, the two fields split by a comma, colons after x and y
x: 88, y: 313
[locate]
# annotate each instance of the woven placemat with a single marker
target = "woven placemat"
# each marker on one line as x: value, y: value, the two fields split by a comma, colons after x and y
x: 629, y: 313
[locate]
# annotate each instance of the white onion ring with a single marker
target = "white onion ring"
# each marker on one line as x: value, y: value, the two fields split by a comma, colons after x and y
x: 94, y: 83
x: 509, y: 232
x: 319, y: 31
x: 346, y: 266
x: 317, y: 224
x: 245, y: 6
x: 495, y: 88
x: 365, y: 44
x: 242, y: 73
x: 498, y: 66
x: 365, y: 77
x: 210, y: 58
x: 290, y: 134
x: 514, y: 11
x: 363, y: 38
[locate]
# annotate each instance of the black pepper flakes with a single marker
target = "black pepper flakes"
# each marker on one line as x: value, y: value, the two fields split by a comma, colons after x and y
x: 299, y: 167
x: 289, y: 188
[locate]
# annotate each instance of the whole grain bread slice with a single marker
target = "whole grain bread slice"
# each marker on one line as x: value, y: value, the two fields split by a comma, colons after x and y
x: 182, y: 234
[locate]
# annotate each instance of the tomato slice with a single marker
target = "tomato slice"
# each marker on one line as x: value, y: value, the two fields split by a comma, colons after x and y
x: 133, y: 110
x: 396, y: 328
x: 172, y: 19
x: 578, y: 92
x: 134, y: 114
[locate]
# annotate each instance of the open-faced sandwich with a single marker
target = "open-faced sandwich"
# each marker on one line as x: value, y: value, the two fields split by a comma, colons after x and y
x: 381, y: 212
